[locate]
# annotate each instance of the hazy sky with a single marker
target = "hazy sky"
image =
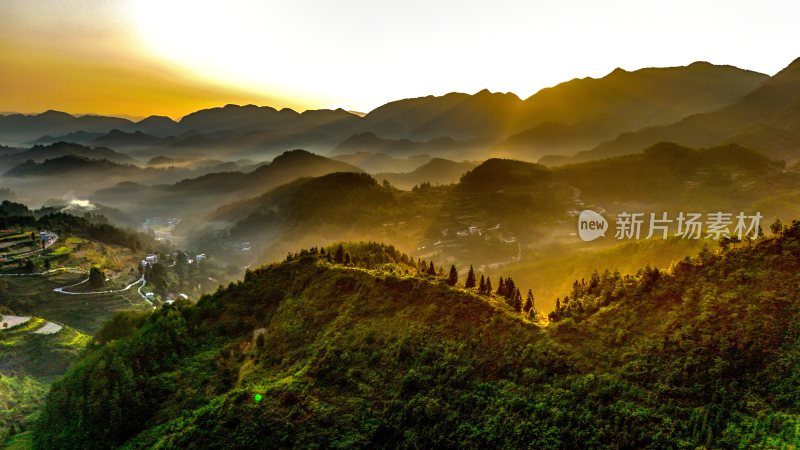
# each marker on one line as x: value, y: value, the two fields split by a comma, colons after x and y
x: 142, y: 57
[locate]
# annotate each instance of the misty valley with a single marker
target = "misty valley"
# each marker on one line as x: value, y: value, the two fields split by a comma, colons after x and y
x: 611, y: 262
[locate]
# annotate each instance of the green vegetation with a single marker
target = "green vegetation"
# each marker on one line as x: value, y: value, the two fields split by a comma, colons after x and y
x: 33, y: 354
x: 20, y: 398
x: 381, y: 353
x: 30, y: 361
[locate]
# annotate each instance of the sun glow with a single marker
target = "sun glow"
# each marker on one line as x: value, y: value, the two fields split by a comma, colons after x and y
x: 142, y: 57
x: 359, y: 54
x: 234, y: 45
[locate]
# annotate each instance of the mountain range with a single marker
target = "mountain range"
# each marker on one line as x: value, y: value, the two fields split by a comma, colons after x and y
x: 567, y: 118
x: 204, y: 193
x: 766, y: 119
x: 40, y: 153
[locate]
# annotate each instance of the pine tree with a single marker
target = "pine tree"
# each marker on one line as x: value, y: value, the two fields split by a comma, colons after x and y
x: 510, y: 289
x: 501, y: 287
x: 452, y: 278
x: 470, y: 283
x: 339, y: 258
x: 482, y: 285
x: 488, y: 286
x: 528, y: 307
x: 347, y: 259
x: 432, y: 270
x: 514, y: 299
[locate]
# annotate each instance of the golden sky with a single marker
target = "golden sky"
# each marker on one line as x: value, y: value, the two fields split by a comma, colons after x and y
x: 171, y: 57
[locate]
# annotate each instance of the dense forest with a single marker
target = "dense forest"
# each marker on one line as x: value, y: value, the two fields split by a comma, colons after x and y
x: 360, y: 346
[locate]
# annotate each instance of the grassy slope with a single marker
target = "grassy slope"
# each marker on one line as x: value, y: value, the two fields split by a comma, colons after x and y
x: 350, y: 357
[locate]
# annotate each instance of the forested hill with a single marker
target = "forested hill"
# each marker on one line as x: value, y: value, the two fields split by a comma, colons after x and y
x: 358, y: 348
x: 89, y: 226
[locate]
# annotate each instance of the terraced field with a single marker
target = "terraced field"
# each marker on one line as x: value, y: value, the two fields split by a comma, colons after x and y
x: 47, y: 330
x: 86, y: 313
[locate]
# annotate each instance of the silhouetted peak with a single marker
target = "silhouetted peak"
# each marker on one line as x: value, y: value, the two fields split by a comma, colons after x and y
x: 618, y: 71
x: 51, y: 114
x: 789, y: 73
x: 156, y: 120
x: 294, y: 155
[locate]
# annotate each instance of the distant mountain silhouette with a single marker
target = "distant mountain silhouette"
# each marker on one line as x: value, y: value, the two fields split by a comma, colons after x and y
x: 564, y: 119
x: 482, y: 116
x: 41, y: 153
x: 121, y: 139
x: 580, y: 113
x: 77, y: 137
x: 369, y: 142
x: 21, y: 128
x: 160, y: 126
x: 767, y: 120
x: 436, y: 171
x: 251, y: 117
x: 64, y: 165
x: 198, y: 194
x: 286, y: 167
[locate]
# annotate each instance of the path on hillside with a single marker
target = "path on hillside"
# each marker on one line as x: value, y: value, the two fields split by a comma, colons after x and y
x: 62, y: 290
x: 141, y: 281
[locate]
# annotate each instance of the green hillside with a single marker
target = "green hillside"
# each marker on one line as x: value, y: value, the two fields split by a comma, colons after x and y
x: 312, y: 353
x: 29, y: 359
